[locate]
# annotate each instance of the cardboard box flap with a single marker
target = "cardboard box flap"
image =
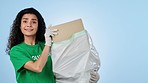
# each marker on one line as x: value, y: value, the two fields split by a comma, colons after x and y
x: 66, y: 30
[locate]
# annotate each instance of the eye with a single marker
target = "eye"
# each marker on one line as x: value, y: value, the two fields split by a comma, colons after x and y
x: 34, y: 22
x: 24, y: 21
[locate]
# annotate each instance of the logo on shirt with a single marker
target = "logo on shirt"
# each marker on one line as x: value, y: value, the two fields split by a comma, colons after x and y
x: 35, y: 57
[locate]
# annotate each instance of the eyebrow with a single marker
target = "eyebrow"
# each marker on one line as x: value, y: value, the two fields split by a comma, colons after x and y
x: 27, y: 19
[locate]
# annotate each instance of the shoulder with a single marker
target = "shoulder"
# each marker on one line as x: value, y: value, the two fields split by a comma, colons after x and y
x: 42, y: 43
x: 17, y: 48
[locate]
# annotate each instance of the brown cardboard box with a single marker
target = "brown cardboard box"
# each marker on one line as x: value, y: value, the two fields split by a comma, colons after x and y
x: 66, y: 30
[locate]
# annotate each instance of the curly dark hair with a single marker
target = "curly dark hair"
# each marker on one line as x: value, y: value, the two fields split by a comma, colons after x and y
x: 16, y: 36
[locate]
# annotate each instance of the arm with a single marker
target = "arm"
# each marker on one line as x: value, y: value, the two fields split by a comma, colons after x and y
x: 39, y: 64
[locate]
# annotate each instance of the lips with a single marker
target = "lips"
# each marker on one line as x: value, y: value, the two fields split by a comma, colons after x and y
x: 29, y: 30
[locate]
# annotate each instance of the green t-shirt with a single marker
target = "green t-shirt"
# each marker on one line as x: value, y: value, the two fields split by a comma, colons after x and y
x: 22, y: 53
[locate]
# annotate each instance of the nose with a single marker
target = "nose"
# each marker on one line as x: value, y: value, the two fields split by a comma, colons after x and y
x: 29, y: 24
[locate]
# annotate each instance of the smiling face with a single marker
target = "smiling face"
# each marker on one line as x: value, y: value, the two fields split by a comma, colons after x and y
x: 29, y: 24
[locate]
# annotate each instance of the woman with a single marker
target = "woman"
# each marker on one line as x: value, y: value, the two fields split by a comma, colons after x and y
x: 29, y: 48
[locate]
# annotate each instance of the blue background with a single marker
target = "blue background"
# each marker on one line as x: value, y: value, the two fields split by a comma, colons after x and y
x: 119, y: 29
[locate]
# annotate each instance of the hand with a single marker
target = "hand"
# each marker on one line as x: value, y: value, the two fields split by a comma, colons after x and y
x: 94, y: 76
x: 48, y: 34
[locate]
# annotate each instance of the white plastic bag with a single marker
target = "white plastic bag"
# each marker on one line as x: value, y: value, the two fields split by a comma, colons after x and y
x: 74, y: 59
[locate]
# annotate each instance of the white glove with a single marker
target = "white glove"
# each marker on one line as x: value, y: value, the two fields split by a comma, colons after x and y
x: 48, y: 34
x: 94, y: 76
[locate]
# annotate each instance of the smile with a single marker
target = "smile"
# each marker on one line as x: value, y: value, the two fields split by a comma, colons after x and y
x: 29, y: 30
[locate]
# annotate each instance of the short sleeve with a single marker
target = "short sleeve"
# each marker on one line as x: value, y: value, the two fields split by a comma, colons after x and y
x: 18, y: 58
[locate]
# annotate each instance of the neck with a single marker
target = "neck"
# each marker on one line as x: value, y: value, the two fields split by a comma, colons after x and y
x: 30, y: 40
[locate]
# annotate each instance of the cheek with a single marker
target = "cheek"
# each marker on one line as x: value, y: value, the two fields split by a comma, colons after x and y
x: 35, y: 29
x: 22, y: 24
x: 21, y: 28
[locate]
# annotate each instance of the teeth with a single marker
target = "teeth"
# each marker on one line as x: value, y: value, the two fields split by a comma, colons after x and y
x: 29, y: 30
